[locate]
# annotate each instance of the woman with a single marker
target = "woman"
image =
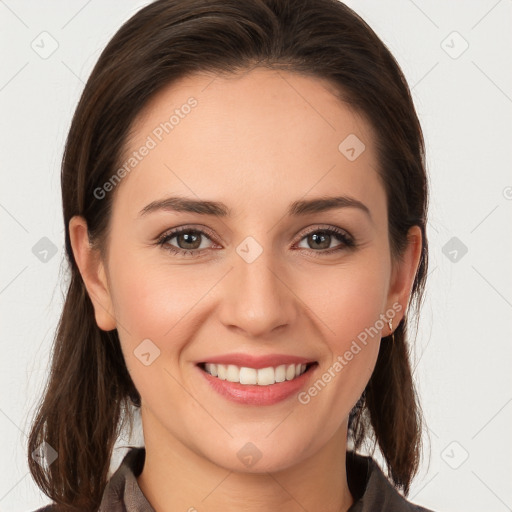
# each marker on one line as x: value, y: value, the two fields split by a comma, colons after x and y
x: 245, y: 197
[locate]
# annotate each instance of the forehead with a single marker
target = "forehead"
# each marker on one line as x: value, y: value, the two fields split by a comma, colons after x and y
x: 249, y: 139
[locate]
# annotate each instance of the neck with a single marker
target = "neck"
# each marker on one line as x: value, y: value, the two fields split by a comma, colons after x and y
x: 176, y: 478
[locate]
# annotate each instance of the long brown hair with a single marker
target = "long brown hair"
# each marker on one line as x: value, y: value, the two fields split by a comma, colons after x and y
x: 89, y: 391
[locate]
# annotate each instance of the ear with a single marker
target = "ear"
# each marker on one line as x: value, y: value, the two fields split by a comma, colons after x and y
x: 404, y: 272
x: 93, y: 273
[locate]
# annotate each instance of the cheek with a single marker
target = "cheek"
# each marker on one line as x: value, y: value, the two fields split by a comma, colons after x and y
x: 155, y: 302
x: 349, y: 307
x: 151, y: 300
x: 348, y: 300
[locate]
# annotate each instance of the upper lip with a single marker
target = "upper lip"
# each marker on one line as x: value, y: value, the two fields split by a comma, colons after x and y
x: 249, y: 361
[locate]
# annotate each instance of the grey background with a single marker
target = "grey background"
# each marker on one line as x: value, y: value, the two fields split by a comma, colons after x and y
x: 456, y: 57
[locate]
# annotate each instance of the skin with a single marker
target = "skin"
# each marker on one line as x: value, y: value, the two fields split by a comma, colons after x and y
x: 256, y: 141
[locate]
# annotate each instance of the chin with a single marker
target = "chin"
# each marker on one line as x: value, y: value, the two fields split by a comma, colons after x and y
x: 259, y: 454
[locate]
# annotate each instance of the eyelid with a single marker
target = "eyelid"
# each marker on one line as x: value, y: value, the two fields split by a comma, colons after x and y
x: 326, y: 227
x: 196, y: 227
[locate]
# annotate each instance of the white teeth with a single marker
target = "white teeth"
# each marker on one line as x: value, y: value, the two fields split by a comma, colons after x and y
x: 232, y: 373
x: 248, y: 376
x: 280, y: 373
x: 221, y: 371
x: 266, y: 376
x: 211, y: 368
x: 252, y: 376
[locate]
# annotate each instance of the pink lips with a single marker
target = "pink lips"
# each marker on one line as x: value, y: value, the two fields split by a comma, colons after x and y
x: 253, y: 394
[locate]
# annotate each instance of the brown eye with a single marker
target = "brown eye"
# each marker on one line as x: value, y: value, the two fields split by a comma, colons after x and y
x: 319, y: 240
x: 188, y: 241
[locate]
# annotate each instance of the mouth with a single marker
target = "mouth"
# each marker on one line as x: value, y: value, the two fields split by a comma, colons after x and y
x: 256, y: 380
x: 249, y: 376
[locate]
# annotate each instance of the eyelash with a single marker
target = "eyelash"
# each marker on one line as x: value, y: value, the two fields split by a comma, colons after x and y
x: 347, y: 241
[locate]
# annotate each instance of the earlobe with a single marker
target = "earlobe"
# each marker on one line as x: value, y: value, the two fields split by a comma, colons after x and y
x: 92, y: 270
x: 404, y: 271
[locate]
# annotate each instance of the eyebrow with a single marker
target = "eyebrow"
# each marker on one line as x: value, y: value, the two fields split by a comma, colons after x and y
x: 218, y: 209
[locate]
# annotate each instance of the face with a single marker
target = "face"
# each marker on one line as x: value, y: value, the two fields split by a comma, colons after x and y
x: 265, y: 280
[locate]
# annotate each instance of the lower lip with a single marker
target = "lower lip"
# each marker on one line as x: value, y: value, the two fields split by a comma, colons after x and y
x: 258, y: 395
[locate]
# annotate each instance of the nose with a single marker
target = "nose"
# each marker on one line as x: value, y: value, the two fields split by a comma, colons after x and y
x: 256, y: 297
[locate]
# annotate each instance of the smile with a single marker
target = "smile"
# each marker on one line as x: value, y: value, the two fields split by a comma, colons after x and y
x: 255, y: 376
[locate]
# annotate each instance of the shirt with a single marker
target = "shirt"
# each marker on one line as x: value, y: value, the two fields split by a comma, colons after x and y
x: 371, y: 490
